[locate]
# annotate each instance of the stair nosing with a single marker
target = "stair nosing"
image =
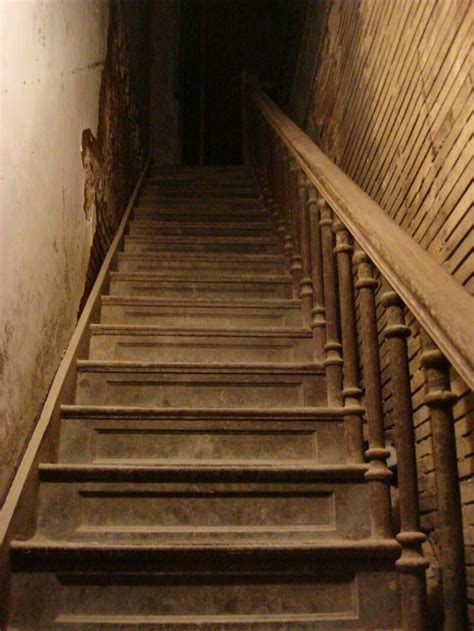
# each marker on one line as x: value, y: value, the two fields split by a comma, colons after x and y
x: 198, y: 367
x: 308, y: 413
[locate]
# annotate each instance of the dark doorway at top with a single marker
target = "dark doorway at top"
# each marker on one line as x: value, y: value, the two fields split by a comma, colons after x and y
x: 221, y: 38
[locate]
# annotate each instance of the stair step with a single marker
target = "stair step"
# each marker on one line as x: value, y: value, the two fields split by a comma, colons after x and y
x: 198, y: 314
x: 126, y: 435
x: 213, y: 285
x: 202, y: 244
x: 141, y: 343
x: 194, y: 213
x: 212, y: 385
x: 144, y: 227
x: 204, y: 503
x: 329, y: 584
x: 202, y: 263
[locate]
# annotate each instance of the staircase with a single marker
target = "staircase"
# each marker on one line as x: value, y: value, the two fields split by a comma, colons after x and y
x: 202, y: 480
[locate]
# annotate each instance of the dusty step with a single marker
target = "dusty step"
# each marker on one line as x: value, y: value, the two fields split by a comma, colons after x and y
x: 202, y: 244
x: 199, y: 314
x: 209, y: 193
x: 216, y: 204
x: 202, y: 263
x: 219, y: 286
x: 205, y: 385
x: 323, y: 585
x: 141, y: 343
x: 111, y: 435
x: 140, y: 227
x: 201, y: 212
x: 203, y: 503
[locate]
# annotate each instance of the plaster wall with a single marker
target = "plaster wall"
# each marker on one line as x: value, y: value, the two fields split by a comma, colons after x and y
x: 73, y: 138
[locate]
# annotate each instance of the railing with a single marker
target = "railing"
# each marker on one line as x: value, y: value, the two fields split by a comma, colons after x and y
x: 321, y: 216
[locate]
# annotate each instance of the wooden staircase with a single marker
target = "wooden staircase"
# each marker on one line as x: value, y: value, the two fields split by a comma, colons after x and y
x: 202, y: 480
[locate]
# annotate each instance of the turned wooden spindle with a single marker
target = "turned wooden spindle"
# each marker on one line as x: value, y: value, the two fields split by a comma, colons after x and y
x: 378, y: 474
x: 278, y: 183
x: 332, y: 347
x: 296, y: 259
x: 440, y: 400
x: 286, y: 198
x: 306, y: 286
x: 318, y: 323
x: 411, y: 564
x: 351, y: 392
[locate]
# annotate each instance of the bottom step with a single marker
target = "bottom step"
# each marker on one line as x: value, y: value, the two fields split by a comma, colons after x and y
x: 312, y: 590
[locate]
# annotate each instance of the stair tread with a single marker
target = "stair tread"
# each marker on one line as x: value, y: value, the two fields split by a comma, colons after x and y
x: 218, y: 278
x: 220, y: 471
x: 142, y: 329
x: 369, y: 545
x: 196, y: 367
x: 230, y: 304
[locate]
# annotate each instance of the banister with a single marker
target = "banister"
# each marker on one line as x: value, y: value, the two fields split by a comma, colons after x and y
x: 443, y: 308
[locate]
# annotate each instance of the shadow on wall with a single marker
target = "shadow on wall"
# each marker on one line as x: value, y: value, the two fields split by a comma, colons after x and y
x: 113, y: 160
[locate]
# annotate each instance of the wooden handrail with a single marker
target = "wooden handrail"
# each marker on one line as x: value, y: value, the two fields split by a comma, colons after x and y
x: 443, y: 308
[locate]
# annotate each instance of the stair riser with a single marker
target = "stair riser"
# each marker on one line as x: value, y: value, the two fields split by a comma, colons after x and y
x: 212, y: 390
x: 145, y: 229
x: 199, y: 317
x: 134, y: 245
x: 196, y: 267
x: 111, y: 441
x: 337, y: 599
x: 202, y: 512
x: 202, y: 290
x: 203, y: 348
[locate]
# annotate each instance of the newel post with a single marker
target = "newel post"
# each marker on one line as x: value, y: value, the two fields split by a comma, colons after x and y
x: 440, y: 400
x: 378, y: 474
x: 411, y: 564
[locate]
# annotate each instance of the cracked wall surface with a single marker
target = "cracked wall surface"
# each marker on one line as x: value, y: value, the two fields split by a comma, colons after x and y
x: 73, y: 139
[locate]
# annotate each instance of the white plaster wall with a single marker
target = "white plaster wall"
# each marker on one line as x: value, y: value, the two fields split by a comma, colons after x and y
x: 52, y: 55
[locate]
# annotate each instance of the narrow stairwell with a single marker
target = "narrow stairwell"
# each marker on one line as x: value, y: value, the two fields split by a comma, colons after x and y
x: 202, y: 480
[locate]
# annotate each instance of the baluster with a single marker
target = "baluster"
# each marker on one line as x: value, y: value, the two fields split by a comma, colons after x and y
x: 278, y: 187
x: 288, y: 238
x: 351, y: 392
x: 332, y: 348
x: 440, y: 400
x: 411, y: 564
x: 296, y: 261
x: 378, y: 474
x: 306, y: 286
x: 318, y: 323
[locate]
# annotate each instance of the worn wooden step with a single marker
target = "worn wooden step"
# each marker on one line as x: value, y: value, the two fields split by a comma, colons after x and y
x: 203, y: 503
x: 194, y: 213
x: 213, y: 385
x: 252, y: 244
x: 330, y: 584
x: 142, y: 227
x: 213, y: 285
x: 197, y: 314
x: 108, y: 435
x: 215, y: 204
x: 142, y: 343
x: 199, y: 263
